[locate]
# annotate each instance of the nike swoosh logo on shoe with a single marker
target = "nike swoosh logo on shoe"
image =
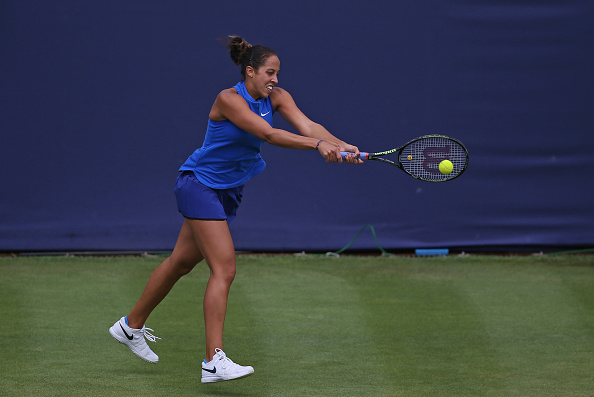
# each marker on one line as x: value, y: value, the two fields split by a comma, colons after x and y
x: 212, y: 371
x: 130, y: 337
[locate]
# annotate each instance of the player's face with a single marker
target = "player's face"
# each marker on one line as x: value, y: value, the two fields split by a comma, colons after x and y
x: 260, y: 82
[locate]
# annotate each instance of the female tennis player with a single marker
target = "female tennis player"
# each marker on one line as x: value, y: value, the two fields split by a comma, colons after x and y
x: 209, y: 191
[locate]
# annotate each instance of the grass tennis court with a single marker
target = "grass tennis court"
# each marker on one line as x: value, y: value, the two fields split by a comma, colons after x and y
x: 310, y: 326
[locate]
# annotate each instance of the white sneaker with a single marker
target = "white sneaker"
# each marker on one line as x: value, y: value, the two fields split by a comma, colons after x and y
x: 222, y: 368
x: 134, y: 339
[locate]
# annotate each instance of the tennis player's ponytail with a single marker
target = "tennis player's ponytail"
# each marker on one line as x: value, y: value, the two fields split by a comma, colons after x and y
x: 244, y: 54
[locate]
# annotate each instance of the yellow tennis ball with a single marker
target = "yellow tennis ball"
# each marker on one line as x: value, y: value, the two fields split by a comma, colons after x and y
x: 446, y: 167
x: 409, y: 157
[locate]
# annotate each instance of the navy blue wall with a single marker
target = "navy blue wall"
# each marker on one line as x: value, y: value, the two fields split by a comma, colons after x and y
x: 100, y: 102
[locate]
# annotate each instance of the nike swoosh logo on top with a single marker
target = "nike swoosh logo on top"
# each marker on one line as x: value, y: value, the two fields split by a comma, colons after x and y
x: 130, y: 337
x: 264, y: 114
x: 212, y: 371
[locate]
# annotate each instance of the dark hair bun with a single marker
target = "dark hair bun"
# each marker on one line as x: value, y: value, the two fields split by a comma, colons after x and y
x: 246, y: 55
x: 238, y: 48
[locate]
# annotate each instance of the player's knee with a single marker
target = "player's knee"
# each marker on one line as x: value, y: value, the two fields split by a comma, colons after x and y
x: 225, y: 273
x: 181, y: 267
x: 229, y: 274
x: 185, y: 269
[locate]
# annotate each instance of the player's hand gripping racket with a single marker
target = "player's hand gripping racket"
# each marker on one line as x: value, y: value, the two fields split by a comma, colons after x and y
x: 421, y: 158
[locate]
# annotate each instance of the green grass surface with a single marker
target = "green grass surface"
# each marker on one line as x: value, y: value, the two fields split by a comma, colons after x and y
x: 310, y: 326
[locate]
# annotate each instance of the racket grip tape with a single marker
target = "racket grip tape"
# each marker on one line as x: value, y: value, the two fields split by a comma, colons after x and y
x: 362, y: 155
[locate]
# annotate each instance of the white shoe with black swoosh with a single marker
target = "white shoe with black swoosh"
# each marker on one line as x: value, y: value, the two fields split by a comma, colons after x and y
x: 135, y: 339
x: 222, y: 368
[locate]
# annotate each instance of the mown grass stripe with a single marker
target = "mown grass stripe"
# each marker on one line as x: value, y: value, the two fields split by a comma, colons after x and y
x: 349, y: 326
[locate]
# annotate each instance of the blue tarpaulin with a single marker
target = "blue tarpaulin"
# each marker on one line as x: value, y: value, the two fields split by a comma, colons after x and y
x: 100, y: 103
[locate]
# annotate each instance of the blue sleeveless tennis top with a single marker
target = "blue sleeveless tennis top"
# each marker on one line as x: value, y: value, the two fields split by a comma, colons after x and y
x: 230, y: 156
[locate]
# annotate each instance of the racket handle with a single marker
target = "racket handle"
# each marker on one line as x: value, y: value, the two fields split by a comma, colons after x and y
x: 362, y: 155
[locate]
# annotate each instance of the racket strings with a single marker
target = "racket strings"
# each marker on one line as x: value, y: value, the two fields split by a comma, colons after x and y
x: 421, y: 158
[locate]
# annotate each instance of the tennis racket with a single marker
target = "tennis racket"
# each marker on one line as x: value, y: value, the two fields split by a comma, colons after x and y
x: 421, y: 157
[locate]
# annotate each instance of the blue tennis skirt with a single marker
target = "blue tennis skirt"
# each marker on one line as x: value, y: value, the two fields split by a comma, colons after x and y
x: 198, y: 201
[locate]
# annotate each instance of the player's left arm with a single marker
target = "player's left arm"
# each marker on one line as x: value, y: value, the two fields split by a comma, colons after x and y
x: 283, y: 103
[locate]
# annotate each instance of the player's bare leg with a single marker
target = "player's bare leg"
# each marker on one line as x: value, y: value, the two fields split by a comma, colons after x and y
x: 130, y: 330
x: 215, y: 242
x: 182, y: 260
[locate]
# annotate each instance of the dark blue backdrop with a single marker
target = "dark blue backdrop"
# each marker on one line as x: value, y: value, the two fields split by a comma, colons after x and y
x: 100, y: 102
